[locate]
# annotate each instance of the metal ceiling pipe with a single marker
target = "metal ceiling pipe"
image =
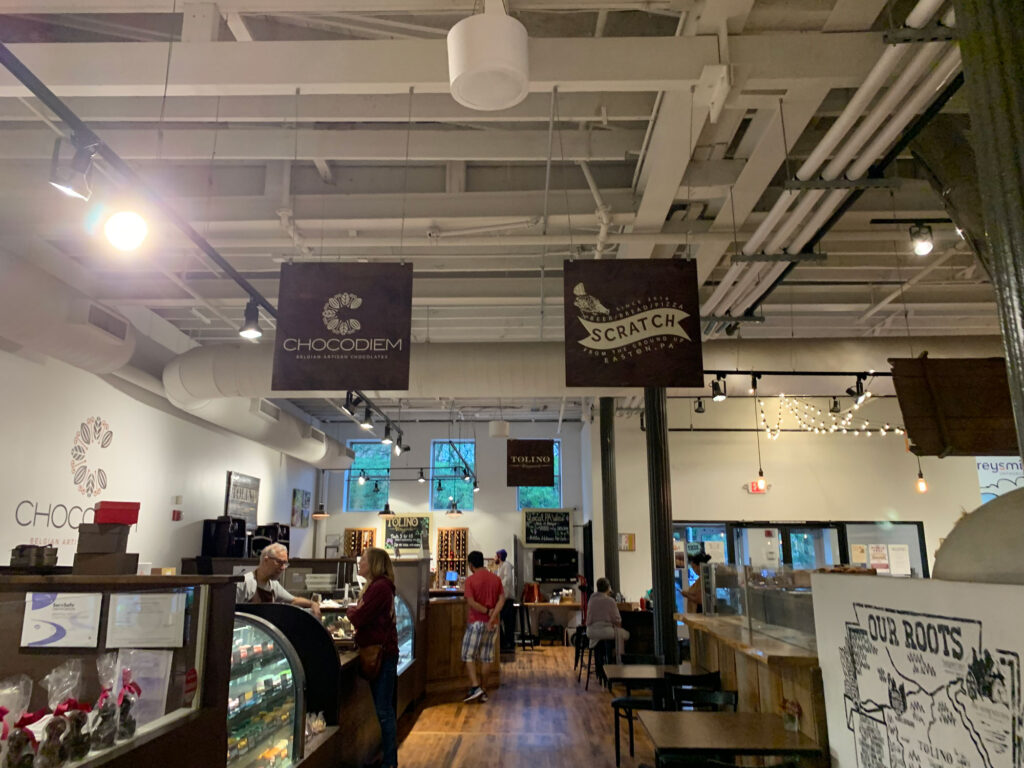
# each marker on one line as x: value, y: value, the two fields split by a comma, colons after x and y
x: 727, y: 281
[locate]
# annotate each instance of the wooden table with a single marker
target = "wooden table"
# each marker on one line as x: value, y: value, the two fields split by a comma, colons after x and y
x: 729, y: 734
x: 643, y: 674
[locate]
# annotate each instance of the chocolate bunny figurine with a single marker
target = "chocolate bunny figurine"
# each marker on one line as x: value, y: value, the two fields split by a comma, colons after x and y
x: 77, y: 739
x: 104, y: 732
x: 53, y: 753
x: 19, y: 750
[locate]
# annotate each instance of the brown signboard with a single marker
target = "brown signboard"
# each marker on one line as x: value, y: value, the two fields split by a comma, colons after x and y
x: 343, y: 326
x: 530, y: 463
x: 632, y: 323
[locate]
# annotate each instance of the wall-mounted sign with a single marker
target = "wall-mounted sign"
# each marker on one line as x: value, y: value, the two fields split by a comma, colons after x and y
x: 998, y: 475
x: 343, y: 326
x: 530, y: 463
x: 61, y: 620
x: 547, y: 527
x: 242, y: 498
x: 627, y: 542
x: 632, y: 323
x: 405, y: 532
x: 301, y: 503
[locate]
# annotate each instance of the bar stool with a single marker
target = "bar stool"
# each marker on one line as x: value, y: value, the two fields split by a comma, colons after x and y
x: 604, y: 650
x: 526, y: 635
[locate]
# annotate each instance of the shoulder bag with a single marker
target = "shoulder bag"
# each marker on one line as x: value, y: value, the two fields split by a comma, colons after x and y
x: 371, y: 656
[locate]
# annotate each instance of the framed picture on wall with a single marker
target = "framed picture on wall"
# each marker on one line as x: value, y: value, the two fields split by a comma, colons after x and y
x: 627, y: 542
x: 301, y: 502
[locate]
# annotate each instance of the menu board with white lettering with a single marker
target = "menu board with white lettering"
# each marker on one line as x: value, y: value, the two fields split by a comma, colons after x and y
x: 547, y: 527
x: 405, y: 532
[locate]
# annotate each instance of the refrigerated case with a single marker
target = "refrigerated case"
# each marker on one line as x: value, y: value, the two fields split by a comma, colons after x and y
x: 266, y: 707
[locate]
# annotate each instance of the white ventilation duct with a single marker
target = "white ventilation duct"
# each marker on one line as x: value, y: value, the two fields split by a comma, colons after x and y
x: 251, y: 416
x: 488, y: 60
x: 537, y: 369
x: 45, y: 315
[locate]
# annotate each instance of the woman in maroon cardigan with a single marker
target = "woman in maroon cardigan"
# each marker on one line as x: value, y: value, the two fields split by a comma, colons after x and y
x: 374, y: 620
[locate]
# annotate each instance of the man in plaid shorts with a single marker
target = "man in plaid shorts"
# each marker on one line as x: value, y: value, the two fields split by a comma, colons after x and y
x: 484, y: 596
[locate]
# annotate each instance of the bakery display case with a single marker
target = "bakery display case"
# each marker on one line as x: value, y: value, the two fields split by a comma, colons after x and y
x: 342, y: 631
x: 266, y: 712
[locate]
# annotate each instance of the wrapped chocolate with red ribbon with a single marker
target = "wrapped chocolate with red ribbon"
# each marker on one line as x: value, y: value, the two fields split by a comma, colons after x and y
x: 15, y: 694
x: 103, y: 723
x: 130, y: 692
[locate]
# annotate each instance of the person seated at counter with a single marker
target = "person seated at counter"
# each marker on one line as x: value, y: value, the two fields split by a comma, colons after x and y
x: 263, y: 585
x: 604, y: 622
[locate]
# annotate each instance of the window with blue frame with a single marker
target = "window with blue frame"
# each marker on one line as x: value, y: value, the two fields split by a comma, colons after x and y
x: 451, y: 462
x: 543, y: 497
x: 368, y: 479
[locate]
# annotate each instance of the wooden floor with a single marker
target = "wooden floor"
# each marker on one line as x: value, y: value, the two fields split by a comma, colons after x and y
x: 540, y: 717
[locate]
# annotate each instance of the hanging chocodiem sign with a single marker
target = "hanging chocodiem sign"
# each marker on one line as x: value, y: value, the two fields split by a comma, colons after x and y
x: 530, y: 463
x: 343, y: 326
x: 632, y: 323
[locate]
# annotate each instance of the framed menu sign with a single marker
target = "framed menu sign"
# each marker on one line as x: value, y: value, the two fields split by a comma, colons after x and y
x: 547, y: 527
x: 242, y: 498
x: 405, y: 532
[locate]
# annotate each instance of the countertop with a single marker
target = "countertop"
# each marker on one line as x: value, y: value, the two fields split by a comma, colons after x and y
x: 74, y: 583
x: 733, y: 632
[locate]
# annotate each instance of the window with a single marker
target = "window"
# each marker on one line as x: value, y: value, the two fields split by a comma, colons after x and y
x: 539, y: 497
x: 373, y: 460
x: 449, y: 460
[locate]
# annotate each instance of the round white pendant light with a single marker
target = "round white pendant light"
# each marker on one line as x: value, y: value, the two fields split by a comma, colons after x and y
x: 126, y: 230
x: 488, y: 60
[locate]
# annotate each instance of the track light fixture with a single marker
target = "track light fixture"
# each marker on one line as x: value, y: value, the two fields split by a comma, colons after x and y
x: 439, y: 487
x: 921, y: 237
x: 476, y: 488
x: 453, y: 508
x: 465, y: 474
x: 376, y: 487
x: 367, y: 422
x: 718, y: 393
x: 386, y: 440
x: 698, y: 407
x: 251, y: 327
x: 72, y: 179
x: 834, y: 408
x: 386, y: 512
x: 421, y: 478
x: 857, y: 391
x: 753, y: 383
x: 398, y: 445
x: 362, y: 477
x: 348, y: 408
x: 321, y: 513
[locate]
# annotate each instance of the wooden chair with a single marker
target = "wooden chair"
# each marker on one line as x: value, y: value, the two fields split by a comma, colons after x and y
x: 713, y: 701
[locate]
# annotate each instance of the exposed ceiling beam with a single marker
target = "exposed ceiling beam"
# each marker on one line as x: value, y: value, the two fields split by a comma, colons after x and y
x: 324, y: 170
x: 331, y: 6
x: 381, y: 108
x: 359, y: 145
x: 238, y: 27
x: 853, y: 15
x: 393, y: 66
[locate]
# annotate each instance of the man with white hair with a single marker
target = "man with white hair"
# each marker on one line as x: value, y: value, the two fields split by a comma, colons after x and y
x: 262, y: 585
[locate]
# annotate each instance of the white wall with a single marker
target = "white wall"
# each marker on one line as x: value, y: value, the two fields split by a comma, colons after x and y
x: 811, y: 477
x: 494, y: 520
x: 152, y: 458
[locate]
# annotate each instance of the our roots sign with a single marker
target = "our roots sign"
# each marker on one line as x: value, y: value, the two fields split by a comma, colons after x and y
x: 632, y: 323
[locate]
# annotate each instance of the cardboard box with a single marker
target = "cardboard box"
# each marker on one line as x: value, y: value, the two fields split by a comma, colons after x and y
x: 88, y: 564
x: 123, y: 512
x: 103, y: 538
x: 172, y: 571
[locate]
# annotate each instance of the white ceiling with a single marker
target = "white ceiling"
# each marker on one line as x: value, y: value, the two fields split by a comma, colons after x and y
x: 285, y: 133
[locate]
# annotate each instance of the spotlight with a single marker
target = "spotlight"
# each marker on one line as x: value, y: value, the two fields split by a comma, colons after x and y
x: 465, y: 474
x: 386, y: 512
x: 439, y: 488
x: 476, y: 488
x: 398, y: 445
x: 753, y: 383
x: 367, y: 422
x: 857, y: 391
x: 451, y: 499
x: 386, y: 440
x: 73, y: 179
x: 921, y: 237
x: 251, y: 326
x: 376, y: 487
x: 453, y: 508
x: 421, y: 478
x: 348, y: 407
x: 126, y: 230
x: 362, y: 477
x: 321, y: 513
x: 718, y: 389
x: 698, y: 407
x: 834, y: 408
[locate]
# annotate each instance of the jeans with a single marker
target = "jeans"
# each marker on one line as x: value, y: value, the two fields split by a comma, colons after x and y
x: 383, y: 691
x: 508, y: 626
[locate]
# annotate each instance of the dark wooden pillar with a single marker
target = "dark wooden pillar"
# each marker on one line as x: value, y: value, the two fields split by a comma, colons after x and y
x: 609, y: 500
x: 659, y: 490
x: 992, y: 44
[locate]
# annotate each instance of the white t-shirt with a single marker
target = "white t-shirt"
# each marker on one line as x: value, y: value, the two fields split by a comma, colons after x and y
x: 505, y: 573
x: 246, y: 590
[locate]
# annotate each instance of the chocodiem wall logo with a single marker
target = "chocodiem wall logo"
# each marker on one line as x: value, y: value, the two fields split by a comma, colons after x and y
x: 338, y: 305
x: 654, y: 322
x: 93, y: 436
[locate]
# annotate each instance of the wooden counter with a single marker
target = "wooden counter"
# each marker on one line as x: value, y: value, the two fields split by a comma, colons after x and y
x: 764, y: 671
x: 446, y: 622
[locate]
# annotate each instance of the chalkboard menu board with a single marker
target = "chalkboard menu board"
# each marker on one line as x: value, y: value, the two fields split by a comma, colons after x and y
x: 547, y: 527
x: 406, y: 532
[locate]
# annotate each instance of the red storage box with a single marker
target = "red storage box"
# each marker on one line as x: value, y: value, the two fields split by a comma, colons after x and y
x: 124, y: 512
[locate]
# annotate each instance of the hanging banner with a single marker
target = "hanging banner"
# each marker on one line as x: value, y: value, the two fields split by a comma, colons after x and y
x: 343, y: 326
x: 530, y: 463
x: 632, y: 323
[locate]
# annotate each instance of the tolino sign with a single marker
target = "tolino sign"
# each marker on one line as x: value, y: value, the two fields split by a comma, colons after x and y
x: 343, y: 326
x: 632, y: 323
x: 530, y: 463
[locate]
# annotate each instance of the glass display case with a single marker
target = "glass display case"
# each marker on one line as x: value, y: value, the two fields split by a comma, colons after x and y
x: 265, y: 705
x: 335, y: 621
x: 772, y: 602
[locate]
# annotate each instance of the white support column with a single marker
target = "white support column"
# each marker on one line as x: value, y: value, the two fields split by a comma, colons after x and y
x: 200, y: 23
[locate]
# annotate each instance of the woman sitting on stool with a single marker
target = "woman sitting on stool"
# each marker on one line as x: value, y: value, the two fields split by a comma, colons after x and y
x: 603, y: 619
